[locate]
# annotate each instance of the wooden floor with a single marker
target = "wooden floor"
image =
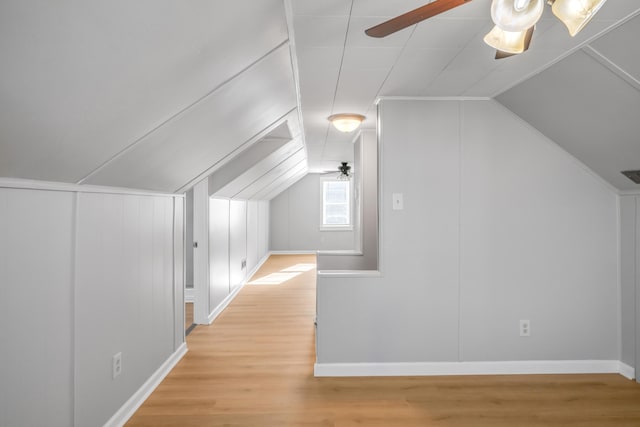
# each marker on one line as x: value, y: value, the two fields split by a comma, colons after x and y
x: 188, y: 315
x: 254, y: 367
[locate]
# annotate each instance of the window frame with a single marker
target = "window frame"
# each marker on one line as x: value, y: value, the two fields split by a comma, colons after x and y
x: 336, y: 227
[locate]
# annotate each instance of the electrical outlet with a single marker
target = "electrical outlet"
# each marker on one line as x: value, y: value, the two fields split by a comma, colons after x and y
x: 116, y: 365
x: 525, y: 328
x: 243, y: 264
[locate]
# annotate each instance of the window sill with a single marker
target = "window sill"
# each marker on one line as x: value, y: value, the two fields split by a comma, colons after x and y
x: 336, y: 228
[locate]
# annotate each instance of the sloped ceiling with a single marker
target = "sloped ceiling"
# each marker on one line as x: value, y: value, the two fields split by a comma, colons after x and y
x: 142, y: 94
x: 589, y: 103
x: 343, y: 70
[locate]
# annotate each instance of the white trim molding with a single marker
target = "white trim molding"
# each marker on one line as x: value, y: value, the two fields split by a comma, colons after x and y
x: 225, y: 303
x: 471, y: 368
x: 627, y: 371
x: 31, y: 184
x: 131, y: 406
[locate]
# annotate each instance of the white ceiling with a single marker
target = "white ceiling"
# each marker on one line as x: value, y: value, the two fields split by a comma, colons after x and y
x: 343, y: 70
x: 157, y: 95
x: 145, y: 94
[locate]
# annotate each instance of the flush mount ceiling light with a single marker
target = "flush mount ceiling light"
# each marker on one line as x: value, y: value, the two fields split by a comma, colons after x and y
x: 346, y: 122
x: 345, y: 171
x: 515, y: 20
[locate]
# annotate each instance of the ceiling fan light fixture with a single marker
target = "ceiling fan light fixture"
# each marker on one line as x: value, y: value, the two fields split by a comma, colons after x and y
x: 512, y: 42
x: 516, y: 15
x: 576, y: 14
x: 346, y: 122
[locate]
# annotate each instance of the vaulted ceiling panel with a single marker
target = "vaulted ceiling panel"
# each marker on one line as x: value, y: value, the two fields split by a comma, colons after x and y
x: 209, y: 132
x: 297, y: 159
x: 82, y: 80
x: 617, y: 47
x: 586, y: 109
x: 293, y: 175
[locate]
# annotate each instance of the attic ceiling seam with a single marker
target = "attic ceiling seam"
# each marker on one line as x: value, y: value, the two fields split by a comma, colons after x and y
x: 612, y: 66
x: 568, y: 53
x: 335, y: 91
x: 255, y: 138
x: 180, y: 113
x: 288, y: 12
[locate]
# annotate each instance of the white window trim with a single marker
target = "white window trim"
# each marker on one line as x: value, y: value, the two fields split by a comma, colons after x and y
x: 323, y: 227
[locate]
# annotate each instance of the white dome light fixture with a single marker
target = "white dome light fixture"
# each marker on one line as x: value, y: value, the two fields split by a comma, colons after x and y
x: 346, y: 122
x: 516, y: 15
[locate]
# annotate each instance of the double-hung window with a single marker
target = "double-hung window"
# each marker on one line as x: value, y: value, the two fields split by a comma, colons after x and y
x: 336, y: 204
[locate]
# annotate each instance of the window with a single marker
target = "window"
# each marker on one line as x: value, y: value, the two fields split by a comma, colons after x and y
x: 336, y: 204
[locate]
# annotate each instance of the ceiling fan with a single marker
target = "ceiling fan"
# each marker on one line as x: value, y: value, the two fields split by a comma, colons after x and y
x: 515, y: 20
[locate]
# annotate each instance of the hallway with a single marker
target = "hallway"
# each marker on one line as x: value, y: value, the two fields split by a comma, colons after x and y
x: 254, y: 367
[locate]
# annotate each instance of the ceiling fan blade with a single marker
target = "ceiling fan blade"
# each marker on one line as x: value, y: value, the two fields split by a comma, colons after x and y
x: 413, y: 17
x: 527, y: 41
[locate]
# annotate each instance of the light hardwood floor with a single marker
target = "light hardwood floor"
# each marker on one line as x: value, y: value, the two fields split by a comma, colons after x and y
x: 254, y: 367
x: 188, y: 315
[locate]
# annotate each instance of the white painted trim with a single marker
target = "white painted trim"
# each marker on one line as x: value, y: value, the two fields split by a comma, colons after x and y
x: 630, y: 192
x: 225, y: 302
x: 255, y: 269
x: 189, y: 294
x: 431, y: 98
x: 468, y: 368
x: 131, y: 406
x: 627, y: 371
x: 304, y: 252
x: 30, y: 184
x: 340, y: 253
x: 351, y: 274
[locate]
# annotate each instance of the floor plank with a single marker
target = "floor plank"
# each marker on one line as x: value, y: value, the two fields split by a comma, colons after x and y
x: 254, y: 367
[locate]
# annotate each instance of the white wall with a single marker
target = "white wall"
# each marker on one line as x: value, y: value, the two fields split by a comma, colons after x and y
x: 498, y: 225
x: 630, y: 278
x: 85, y: 276
x: 295, y: 220
x: 366, y: 210
x: 36, y: 307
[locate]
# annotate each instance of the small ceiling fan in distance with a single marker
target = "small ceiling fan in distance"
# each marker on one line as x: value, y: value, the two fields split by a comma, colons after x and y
x: 514, y: 20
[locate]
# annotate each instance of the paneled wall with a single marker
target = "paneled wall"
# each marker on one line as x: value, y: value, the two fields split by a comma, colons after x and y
x: 85, y: 276
x: 499, y: 225
x: 36, y: 307
x: 630, y: 279
x: 237, y: 232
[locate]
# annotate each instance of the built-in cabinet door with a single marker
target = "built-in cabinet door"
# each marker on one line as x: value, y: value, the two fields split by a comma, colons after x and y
x: 237, y: 242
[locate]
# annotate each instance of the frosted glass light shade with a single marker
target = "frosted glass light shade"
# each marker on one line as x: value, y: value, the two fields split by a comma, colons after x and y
x: 575, y: 14
x: 516, y: 15
x: 513, y: 42
x: 346, y: 122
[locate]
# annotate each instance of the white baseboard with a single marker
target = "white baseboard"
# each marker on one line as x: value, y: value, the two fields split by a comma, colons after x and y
x: 627, y: 371
x: 220, y: 308
x: 225, y: 302
x: 306, y: 252
x: 131, y: 406
x: 189, y: 294
x: 469, y: 368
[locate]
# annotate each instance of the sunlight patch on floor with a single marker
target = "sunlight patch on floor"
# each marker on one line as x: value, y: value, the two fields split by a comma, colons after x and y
x: 274, y: 278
